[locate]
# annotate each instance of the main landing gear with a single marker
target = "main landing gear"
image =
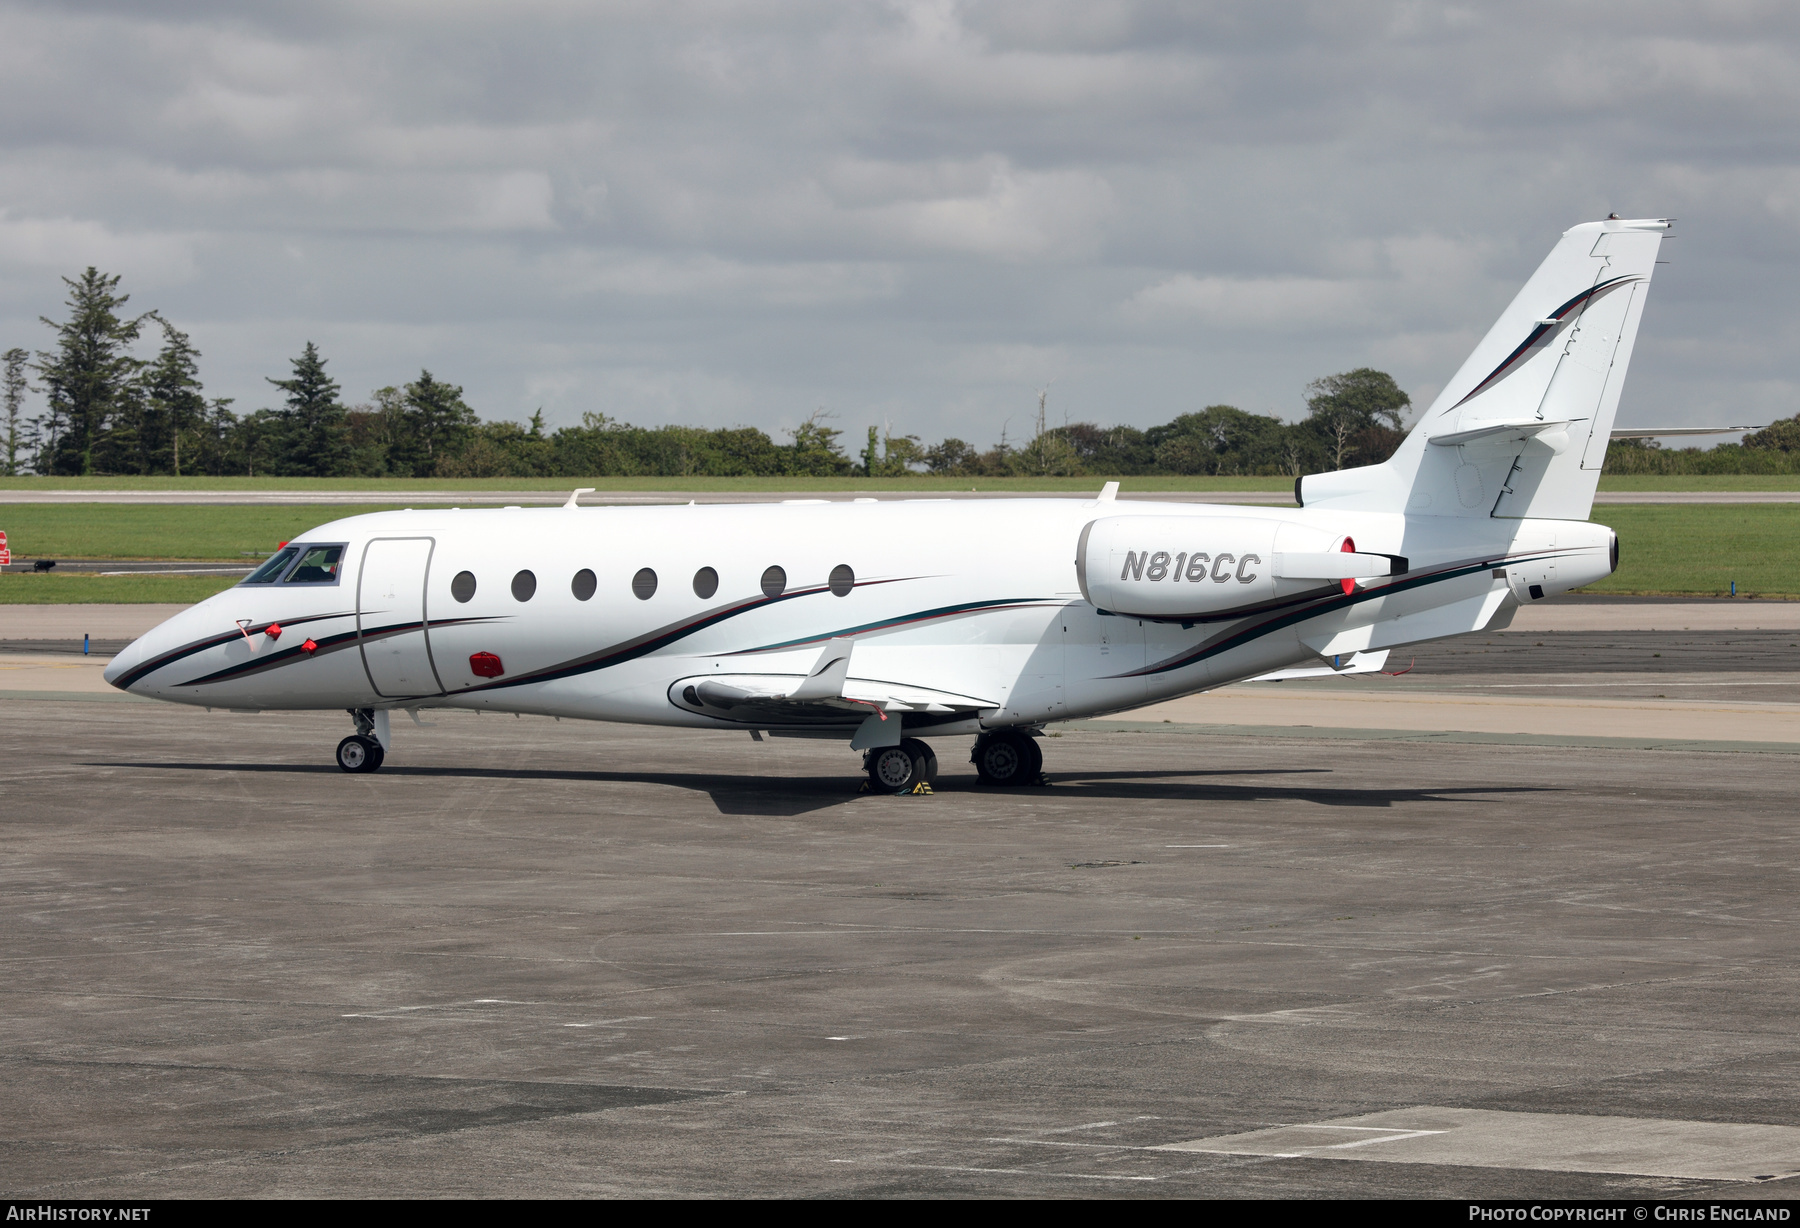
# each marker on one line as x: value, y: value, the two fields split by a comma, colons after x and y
x: 361, y: 751
x: 907, y: 768
x: 1008, y: 757
x: 1004, y: 757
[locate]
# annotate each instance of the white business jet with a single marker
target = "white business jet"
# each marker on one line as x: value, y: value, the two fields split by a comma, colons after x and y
x: 882, y: 624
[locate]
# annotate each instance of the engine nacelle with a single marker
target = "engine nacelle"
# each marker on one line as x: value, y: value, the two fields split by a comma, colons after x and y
x: 1170, y: 566
x: 1176, y: 567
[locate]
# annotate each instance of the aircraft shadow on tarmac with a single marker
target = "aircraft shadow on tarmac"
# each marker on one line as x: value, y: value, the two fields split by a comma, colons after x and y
x: 797, y: 795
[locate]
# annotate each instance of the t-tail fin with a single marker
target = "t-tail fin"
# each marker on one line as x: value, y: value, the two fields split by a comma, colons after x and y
x: 1522, y: 429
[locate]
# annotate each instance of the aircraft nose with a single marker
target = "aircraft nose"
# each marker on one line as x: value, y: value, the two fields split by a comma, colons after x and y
x: 123, y: 664
x: 142, y: 656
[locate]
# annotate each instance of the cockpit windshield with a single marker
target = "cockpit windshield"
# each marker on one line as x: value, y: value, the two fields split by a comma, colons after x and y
x: 319, y: 565
x: 271, y: 571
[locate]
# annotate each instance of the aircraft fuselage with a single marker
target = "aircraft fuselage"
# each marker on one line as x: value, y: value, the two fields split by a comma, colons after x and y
x: 964, y: 615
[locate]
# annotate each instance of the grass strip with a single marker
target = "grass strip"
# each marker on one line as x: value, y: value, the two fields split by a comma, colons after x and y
x: 1699, y: 550
x: 1676, y: 549
x: 28, y: 589
x: 191, y: 531
x: 823, y: 486
x: 815, y: 486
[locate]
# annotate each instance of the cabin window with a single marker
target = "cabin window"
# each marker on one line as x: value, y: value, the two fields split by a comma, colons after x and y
x: 842, y: 580
x: 463, y: 587
x: 318, y: 565
x: 706, y: 583
x: 644, y: 584
x: 583, y: 585
x: 523, y: 586
x: 774, y: 582
x: 271, y: 571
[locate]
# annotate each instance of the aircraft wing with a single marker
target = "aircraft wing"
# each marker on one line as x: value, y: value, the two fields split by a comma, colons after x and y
x: 1353, y: 663
x: 827, y: 695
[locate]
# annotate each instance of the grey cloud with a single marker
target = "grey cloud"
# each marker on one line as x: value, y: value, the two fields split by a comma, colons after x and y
x: 917, y: 212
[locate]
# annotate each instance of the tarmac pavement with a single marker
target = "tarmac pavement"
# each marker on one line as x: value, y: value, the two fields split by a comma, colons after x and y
x: 562, y: 959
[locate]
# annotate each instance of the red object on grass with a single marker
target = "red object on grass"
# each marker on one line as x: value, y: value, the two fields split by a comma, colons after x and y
x: 273, y: 631
x: 309, y: 647
x: 485, y: 665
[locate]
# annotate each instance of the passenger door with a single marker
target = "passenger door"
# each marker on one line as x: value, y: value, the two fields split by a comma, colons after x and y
x: 390, y: 617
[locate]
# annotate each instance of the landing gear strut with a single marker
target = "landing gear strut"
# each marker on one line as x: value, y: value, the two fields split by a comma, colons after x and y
x: 361, y: 751
x: 1008, y: 757
x: 902, y: 768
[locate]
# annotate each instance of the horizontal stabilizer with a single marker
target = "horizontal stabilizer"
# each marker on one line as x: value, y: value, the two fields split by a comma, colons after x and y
x: 1660, y: 432
x: 1516, y: 429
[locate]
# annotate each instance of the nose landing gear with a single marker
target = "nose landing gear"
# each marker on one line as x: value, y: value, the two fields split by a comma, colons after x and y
x: 358, y: 753
x: 362, y: 751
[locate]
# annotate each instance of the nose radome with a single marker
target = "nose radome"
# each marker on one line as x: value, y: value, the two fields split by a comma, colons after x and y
x: 122, y: 664
x: 170, y: 634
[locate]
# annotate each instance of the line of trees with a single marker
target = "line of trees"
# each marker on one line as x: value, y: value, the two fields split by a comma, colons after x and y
x: 108, y: 410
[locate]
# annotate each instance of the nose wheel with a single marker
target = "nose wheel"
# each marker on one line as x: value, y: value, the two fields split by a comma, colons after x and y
x: 360, y: 753
x: 902, y: 768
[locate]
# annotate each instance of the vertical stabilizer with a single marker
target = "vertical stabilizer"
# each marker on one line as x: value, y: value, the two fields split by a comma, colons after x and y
x: 1522, y: 428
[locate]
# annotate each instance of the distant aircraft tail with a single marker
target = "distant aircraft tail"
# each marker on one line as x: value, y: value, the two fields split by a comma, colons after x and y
x: 1522, y: 429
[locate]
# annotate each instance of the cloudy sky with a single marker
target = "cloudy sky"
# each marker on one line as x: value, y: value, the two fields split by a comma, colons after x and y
x: 916, y: 213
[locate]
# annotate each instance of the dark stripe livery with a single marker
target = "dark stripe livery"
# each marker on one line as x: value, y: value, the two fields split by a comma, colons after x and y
x: 330, y: 644
x: 947, y: 611
x: 1542, y: 331
x: 1238, y: 637
x: 149, y: 667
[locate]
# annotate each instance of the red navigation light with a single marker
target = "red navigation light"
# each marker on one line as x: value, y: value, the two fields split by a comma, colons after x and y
x: 1349, y: 547
x: 485, y: 665
x: 281, y: 545
x: 273, y: 631
x: 309, y: 648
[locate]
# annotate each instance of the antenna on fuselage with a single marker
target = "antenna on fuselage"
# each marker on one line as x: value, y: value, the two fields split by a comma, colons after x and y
x: 575, y: 499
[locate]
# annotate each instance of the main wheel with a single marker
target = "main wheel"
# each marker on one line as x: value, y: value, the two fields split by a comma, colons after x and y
x: 358, y: 753
x: 1006, y: 757
x: 893, y: 769
x: 924, y: 759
